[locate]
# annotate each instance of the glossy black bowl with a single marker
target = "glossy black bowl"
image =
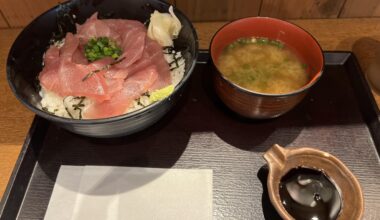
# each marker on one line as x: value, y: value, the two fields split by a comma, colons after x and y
x: 25, y: 60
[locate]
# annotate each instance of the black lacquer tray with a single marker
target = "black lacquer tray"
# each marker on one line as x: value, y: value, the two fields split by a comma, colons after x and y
x: 339, y: 115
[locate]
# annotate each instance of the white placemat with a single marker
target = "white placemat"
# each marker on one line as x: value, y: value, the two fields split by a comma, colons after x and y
x: 107, y: 192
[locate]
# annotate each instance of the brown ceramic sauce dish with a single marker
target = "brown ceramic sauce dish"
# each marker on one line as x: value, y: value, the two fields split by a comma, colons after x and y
x: 261, y: 105
x: 282, y: 161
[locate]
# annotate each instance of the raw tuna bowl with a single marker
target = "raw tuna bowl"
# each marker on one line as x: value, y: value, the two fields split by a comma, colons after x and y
x: 26, y: 61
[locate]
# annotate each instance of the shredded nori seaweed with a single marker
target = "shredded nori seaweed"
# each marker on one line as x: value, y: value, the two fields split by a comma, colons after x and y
x: 79, y: 105
x: 170, y: 50
x: 68, y: 112
x: 47, y: 110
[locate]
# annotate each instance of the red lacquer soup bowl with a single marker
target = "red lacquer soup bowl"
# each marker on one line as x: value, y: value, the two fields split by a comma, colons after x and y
x: 262, y: 105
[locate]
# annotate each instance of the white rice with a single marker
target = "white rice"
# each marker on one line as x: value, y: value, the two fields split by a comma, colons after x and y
x: 65, y: 106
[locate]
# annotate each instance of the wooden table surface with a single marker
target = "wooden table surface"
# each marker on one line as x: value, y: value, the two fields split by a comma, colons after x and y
x: 362, y: 36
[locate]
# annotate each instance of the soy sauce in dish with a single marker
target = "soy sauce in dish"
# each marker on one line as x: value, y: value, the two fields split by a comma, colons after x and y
x: 309, y: 194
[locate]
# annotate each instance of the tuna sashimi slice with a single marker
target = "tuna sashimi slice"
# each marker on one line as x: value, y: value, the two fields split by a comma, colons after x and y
x: 48, y: 77
x: 153, y: 55
x: 51, y: 56
x: 93, y: 27
x: 114, y: 85
x: 76, y: 83
x: 133, y: 88
x: 66, y: 79
x: 164, y: 78
x: 69, y: 47
x: 121, y: 26
x: 129, y: 35
x: 133, y: 46
x: 116, y: 73
x: 79, y: 57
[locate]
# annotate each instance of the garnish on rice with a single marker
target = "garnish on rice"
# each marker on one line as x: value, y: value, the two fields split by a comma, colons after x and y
x: 97, y: 48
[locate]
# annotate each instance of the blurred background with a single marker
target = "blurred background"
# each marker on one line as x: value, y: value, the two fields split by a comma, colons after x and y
x: 18, y: 13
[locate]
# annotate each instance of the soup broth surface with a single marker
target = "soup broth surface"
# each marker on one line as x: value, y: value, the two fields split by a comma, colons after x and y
x: 262, y: 65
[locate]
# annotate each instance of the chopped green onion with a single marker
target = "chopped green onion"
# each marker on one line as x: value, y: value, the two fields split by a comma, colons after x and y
x: 97, y: 48
x: 262, y: 40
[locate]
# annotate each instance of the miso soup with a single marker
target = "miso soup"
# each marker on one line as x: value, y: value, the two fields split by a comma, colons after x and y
x: 262, y: 65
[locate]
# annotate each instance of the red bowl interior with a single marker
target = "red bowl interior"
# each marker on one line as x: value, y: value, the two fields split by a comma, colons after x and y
x: 297, y: 39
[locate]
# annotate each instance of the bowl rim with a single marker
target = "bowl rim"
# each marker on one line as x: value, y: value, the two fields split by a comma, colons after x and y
x: 133, y: 114
x: 251, y: 92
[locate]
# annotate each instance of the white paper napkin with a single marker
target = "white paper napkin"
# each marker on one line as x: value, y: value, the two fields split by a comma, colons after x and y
x: 105, y: 192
